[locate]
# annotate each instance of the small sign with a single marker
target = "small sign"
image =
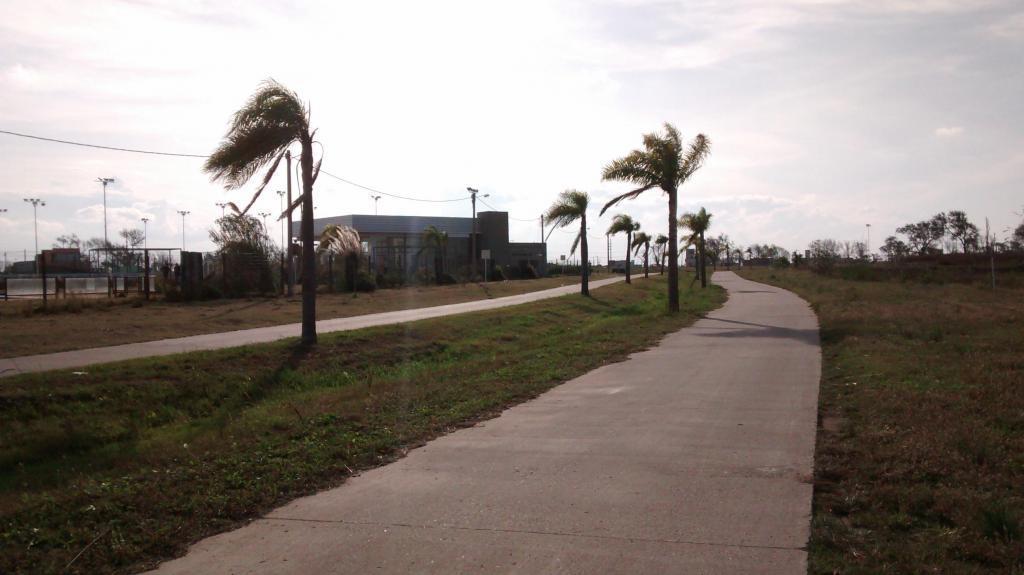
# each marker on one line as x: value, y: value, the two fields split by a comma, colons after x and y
x: 485, y: 254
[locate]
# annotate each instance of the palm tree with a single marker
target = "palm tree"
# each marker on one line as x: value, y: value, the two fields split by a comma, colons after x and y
x: 260, y: 133
x: 661, y: 241
x: 437, y: 241
x: 663, y: 163
x: 642, y: 240
x: 624, y: 223
x: 570, y: 206
x: 698, y: 223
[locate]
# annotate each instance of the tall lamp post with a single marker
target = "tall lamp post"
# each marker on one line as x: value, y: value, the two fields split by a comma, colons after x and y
x: 472, y: 195
x: 265, y: 214
x: 145, y: 233
x: 183, y: 214
x: 280, y: 194
x: 105, y: 181
x: 36, y: 202
x: 221, y: 205
x: 375, y: 200
x: 867, y: 246
x: 4, y: 211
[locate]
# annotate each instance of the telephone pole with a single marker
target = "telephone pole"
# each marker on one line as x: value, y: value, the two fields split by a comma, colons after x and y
x: 472, y: 235
x: 145, y: 233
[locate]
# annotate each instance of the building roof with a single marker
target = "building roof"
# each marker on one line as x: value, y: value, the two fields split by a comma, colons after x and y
x: 393, y: 225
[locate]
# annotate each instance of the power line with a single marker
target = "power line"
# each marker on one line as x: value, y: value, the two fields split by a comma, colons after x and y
x: 376, y: 191
x: 532, y: 220
x: 174, y: 154
x: 84, y: 145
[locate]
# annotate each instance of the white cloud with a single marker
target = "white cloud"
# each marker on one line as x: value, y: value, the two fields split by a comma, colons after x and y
x: 949, y: 131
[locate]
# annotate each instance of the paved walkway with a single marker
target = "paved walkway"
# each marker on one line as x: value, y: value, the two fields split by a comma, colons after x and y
x: 86, y: 357
x: 692, y: 457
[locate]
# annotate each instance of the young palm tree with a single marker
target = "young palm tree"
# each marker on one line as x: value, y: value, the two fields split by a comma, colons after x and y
x: 642, y: 240
x: 663, y: 163
x: 260, y: 133
x: 662, y: 242
x: 698, y: 223
x: 570, y: 206
x: 623, y: 223
x: 436, y: 240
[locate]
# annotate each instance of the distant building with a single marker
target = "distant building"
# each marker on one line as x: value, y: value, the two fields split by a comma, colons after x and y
x: 394, y: 243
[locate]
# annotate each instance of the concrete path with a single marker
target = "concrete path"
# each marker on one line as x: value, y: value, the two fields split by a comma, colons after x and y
x: 692, y: 457
x: 86, y: 357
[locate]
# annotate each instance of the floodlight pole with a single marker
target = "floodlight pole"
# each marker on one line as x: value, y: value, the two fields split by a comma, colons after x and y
x: 183, y: 214
x: 264, y: 214
x: 375, y: 200
x: 145, y: 233
x: 105, y: 181
x: 36, y: 202
x: 288, y: 247
x: 221, y: 205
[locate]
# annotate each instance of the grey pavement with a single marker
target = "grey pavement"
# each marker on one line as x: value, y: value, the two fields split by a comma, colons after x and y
x: 85, y: 357
x: 691, y: 457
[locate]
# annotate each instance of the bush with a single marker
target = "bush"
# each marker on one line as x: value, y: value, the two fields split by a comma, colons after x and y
x: 447, y: 279
x: 390, y: 280
x: 496, y: 275
x: 365, y: 282
x: 531, y: 273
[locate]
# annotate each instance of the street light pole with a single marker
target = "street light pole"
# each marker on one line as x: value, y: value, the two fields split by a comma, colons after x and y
x: 105, y: 181
x: 472, y: 195
x: 375, y: 200
x: 867, y: 246
x: 183, y: 214
x: 36, y: 202
x: 280, y: 194
x: 265, y: 214
x: 145, y: 233
x: 221, y: 205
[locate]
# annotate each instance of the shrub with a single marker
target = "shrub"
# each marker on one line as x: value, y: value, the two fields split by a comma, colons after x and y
x: 447, y: 279
x: 365, y: 282
x: 531, y: 273
x: 496, y: 275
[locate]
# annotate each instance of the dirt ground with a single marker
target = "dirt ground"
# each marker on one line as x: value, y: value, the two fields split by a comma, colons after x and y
x: 79, y: 323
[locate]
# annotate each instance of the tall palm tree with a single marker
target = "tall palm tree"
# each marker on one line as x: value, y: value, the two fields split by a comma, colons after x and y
x: 570, y: 206
x: 642, y: 240
x: 661, y: 241
x: 260, y: 133
x: 623, y: 223
x: 665, y: 164
x: 436, y: 240
x: 698, y: 223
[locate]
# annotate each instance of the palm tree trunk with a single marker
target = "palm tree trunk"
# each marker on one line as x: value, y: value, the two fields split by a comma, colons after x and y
x: 629, y: 246
x: 585, y: 272
x: 703, y: 264
x: 308, y: 254
x: 673, y: 253
x: 647, y: 269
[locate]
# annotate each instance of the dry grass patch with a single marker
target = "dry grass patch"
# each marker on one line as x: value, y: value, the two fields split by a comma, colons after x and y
x: 919, y: 465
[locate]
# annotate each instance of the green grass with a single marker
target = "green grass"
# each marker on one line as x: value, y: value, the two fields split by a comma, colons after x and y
x: 919, y: 464
x: 140, y: 458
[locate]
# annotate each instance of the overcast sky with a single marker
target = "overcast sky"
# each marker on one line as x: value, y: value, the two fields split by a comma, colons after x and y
x: 824, y: 115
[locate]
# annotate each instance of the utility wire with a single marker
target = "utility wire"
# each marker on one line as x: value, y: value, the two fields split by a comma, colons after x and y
x: 102, y: 147
x: 154, y: 153
x: 376, y: 191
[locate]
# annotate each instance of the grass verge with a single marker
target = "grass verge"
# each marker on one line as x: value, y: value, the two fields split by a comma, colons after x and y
x: 79, y: 323
x: 919, y: 465
x: 133, y: 461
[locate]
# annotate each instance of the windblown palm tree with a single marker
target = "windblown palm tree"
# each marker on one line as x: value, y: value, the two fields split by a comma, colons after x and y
x: 436, y: 240
x: 662, y: 242
x: 570, y: 206
x: 642, y: 240
x: 623, y: 223
x: 698, y: 223
x: 339, y: 240
x: 665, y: 164
x: 261, y: 132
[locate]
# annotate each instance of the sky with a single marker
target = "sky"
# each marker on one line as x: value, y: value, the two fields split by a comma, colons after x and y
x: 825, y: 116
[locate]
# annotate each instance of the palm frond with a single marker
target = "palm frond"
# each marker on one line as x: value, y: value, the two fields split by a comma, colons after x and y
x: 340, y: 240
x: 661, y: 240
x: 291, y: 208
x: 626, y: 196
x: 622, y: 223
x: 576, y: 243
x: 570, y: 206
x: 699, y: 150
x: 639, y: 240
